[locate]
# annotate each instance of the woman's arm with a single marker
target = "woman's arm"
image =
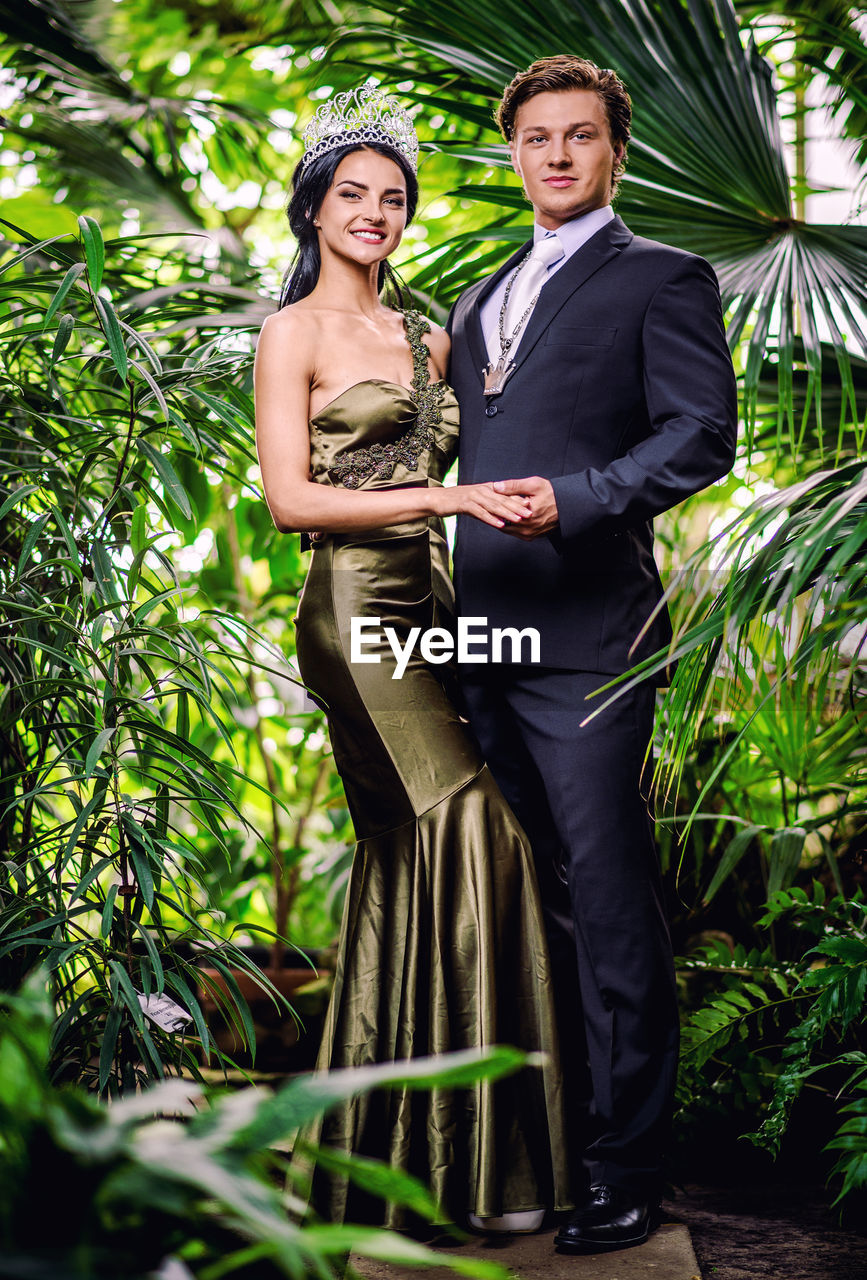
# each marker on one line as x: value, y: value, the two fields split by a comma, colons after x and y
x: 284, y: 365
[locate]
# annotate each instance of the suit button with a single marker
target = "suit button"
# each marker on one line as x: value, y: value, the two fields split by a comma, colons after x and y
x: 491, y: 410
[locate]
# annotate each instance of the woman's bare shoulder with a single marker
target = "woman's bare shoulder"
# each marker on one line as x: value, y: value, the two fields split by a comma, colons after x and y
x: 289, y: 340
x: 295, y: 321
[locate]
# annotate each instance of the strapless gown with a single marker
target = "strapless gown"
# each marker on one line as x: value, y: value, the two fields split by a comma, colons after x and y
x: 442, y: 945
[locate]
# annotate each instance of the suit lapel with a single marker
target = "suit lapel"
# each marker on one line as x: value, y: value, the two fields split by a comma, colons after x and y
x: 607, y: 243
x: 472, y: 302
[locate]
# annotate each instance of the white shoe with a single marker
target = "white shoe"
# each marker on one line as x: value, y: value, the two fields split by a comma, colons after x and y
x: 523, y: 1223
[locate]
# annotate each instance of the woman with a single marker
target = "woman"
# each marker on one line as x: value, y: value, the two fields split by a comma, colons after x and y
x: 442, y: 945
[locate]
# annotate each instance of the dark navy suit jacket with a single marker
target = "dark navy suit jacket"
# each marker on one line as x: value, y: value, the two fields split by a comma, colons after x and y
x: 624, y: 397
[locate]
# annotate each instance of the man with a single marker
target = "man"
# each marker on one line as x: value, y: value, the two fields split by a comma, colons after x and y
x: 596, y: 372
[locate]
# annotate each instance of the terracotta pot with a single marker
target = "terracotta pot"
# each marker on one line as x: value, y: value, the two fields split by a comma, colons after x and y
x: 281, y: 1044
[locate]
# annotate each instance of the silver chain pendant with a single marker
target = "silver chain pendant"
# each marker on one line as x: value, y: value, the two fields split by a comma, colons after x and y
x: 497, y: 375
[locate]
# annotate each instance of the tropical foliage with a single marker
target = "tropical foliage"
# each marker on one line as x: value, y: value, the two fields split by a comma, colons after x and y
x: 103, y: 666
x: 184, y: 118
x: 173, y: 1182
x: 815, y: 1004
x: 131, y: 808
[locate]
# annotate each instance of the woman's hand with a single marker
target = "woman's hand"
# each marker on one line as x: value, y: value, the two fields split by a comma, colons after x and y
x: 484, y: 503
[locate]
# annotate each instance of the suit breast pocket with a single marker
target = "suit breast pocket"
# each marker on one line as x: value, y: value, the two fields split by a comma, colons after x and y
x: 581, y: 335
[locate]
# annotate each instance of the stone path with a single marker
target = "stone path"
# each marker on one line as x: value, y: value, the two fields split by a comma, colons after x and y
x: 668, y: 1255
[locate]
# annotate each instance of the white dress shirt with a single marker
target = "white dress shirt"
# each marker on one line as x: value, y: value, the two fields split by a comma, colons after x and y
x: 572, y: 235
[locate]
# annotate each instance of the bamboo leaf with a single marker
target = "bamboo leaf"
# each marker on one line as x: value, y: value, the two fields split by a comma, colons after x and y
x: 66, y: 284
x: 93, y: 874
x: 66, y: 534
x: 179, y: 984
x: 94, y: 803
x: 236, y: 1005
x: 108, y: 911
x: 167, y: 474
x: 183, y: 713
x: 35, y: 246
x: 113, y: 335
x: 104, y: 573
x: 113, y: 1020
x: 34, y: 533
x: 94, y: 250
x: 127, y: 993
x: 61, y: 338
x: 154, y: 956
x: 138, y: 529
x: 97, y: 747
x: 154, y: 386
x: 17, y: 495
x: 140, y: 861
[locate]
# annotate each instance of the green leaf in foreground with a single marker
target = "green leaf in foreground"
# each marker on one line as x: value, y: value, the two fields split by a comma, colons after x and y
x: 304, y: 1099
x: 389, y: 1246
x: 382, y: 1180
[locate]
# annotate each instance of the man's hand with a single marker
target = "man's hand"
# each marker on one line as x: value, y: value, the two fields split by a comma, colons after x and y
x: 542, y: 515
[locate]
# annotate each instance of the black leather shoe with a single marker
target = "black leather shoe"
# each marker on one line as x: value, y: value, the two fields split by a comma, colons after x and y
x: 609, y: 1218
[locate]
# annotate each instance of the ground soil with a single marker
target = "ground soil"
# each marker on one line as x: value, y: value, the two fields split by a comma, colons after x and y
x: 767, y: 1231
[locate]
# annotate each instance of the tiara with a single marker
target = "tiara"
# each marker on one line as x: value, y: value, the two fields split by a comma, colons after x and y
x: 365, y: 114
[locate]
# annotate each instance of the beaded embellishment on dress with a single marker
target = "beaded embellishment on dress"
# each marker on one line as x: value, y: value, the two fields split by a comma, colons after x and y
x: 357, y: 465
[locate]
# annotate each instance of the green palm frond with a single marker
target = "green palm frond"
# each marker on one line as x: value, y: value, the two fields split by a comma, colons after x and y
x: 819, y: 420
x: 830, y: 43
x: 792, y: 564
x: 119, y: 139
x: 49, y: 35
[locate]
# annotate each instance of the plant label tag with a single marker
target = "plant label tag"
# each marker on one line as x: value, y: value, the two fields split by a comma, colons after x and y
x: 163, y: 1011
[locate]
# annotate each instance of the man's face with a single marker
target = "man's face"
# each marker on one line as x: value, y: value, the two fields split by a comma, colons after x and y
x: 563, y: 153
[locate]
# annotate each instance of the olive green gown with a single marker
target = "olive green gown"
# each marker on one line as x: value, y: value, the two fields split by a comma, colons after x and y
x: 442, y: 945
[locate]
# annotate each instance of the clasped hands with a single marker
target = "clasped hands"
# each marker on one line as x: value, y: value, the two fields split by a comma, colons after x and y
x: 529, y: 508
x: 525, y: 508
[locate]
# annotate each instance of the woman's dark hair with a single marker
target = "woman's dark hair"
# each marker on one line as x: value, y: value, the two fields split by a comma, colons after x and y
x: 309, y: 187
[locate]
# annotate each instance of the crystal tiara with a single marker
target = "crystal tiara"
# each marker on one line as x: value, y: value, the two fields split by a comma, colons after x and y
x: 365, y: 114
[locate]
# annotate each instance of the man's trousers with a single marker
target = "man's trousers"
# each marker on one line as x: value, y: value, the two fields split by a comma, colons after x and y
x: 577, y: 791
